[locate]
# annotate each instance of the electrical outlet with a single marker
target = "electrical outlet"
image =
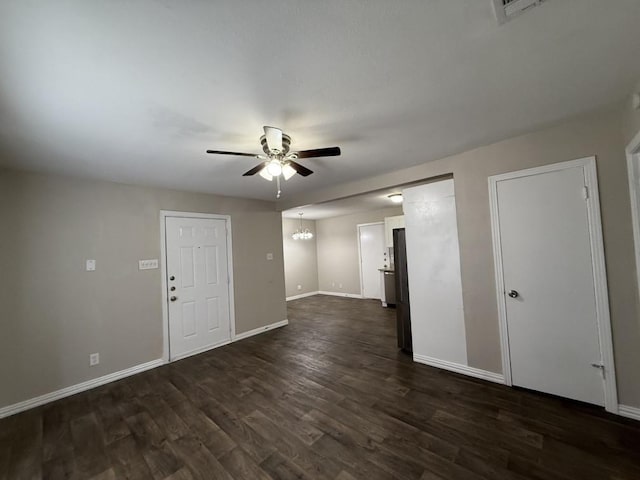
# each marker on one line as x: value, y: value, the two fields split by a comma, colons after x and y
x: 91, y: 265
x: 339, y: 285
x: 94, y: 359
x: 333, y: 284
x: 299, y: 287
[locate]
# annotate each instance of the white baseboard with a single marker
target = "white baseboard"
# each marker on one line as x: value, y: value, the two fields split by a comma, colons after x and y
x: 458, y: 368
x: 629, y: 412
x: 259, y: 330
x: 198, y: 351
x: 341, y: 294
x: 302, y: 295
x: 112, y: 377
x: 80, y: 387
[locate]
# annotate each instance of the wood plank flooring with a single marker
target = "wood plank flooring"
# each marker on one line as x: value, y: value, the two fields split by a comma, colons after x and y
x: 327, y: 397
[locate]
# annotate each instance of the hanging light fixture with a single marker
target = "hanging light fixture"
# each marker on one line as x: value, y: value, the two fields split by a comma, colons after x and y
x: 300, y: 233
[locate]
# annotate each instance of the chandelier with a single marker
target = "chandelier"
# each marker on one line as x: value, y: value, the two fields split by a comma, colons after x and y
x: 300, y: 233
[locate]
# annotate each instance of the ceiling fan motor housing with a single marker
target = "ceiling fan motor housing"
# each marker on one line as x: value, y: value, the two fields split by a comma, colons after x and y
x: 286, y: 142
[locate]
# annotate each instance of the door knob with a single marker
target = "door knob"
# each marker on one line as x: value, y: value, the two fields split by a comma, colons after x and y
x: 173, y: 289
x: 172, y: 278
x: 173, y: 298
x: 513, y: 294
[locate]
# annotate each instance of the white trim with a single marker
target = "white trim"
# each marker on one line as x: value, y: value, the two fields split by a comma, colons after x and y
x: 341, y: 294
x: 384, y: 241
x: 302, y: 295
x: 259, y: 330
x: 598, y: 264
x: 201, y: 350
x: 459, y: 368
x: 80, y: 387
x: 633, y: 157
x: 166, y: 354
x: 629, y: 412
x: 112, y: 377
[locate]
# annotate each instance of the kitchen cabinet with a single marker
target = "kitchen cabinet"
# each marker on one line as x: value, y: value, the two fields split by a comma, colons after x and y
x: 389, y: 224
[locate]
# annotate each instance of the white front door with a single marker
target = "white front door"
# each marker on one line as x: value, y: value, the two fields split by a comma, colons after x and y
x: 549, y: 293
x: 198, y: 285
x: 372, y: 247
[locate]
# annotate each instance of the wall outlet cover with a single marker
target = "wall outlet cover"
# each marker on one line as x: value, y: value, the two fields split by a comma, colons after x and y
x: 94, y: 359
x: 91, y: 265
x: 299, y: 287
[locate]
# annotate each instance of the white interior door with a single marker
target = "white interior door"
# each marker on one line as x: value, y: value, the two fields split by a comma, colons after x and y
x: 549, y: 293
x: 198, y: 285
x: 372, y: 248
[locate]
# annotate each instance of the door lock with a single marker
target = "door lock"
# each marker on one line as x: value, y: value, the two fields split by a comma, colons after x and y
x: 173, y: 298
x: 172, y: 278
x: 513, y: 294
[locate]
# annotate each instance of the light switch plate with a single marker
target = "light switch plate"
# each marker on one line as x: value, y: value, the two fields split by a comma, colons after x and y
x: 269, y: 256
x: 148, y: 264
x: 91, y: 265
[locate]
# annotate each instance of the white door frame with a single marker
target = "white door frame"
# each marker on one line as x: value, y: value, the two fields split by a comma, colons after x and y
x: 598, y: 265
x: 633, y: 153
x: 163, y: 265
x: 360, y: 252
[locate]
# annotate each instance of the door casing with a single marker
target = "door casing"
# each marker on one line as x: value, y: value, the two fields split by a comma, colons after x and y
x: 360, y: 252
x: 633, y: 171
x: 598, y: 267
x: 163, y: 263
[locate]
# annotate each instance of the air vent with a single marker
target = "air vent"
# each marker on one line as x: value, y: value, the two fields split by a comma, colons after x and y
x: 508, y: 9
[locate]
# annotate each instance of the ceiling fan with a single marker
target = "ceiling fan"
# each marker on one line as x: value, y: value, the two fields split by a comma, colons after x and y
x: 278, y: 161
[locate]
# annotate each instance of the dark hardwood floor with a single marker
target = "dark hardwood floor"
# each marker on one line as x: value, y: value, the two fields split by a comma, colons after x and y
x: 328, y: 397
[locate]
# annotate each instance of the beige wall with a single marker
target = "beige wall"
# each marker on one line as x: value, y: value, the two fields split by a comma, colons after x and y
x: 54, y: 314
x: 300, y: 258
x: 338, y: 249
x: 598, y: 133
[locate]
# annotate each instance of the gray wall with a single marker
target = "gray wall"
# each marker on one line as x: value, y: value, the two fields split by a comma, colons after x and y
x: 598, y: 133
x: 54, y: 314
x: 300, y: 258
x: 338, y: 249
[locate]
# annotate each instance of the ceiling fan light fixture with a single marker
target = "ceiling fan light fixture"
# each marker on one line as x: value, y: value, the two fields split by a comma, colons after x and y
x: 395, y: 197
x: 265, y: 174
x: 288, y: 171
x: 274, y: 167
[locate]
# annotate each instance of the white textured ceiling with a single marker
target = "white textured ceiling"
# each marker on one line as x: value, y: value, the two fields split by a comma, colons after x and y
x: 136, y: 91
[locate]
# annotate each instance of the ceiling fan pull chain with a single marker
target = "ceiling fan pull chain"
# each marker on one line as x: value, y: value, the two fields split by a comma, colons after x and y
x: 278, y: 185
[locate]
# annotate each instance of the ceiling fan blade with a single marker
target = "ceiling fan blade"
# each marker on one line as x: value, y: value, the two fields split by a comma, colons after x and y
x: 255, y: 169
x: 319, y: 152
x: 302, y: 170
x: 274, y: 138
x: 222, y: 152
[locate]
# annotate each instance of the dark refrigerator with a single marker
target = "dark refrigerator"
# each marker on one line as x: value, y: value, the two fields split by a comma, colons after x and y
x: 403, y: 312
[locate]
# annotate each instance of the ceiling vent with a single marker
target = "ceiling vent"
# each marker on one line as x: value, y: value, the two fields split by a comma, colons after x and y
x: 508, y: 9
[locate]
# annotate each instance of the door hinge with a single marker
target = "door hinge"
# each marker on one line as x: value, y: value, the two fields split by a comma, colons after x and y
x: 585, y: 192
